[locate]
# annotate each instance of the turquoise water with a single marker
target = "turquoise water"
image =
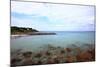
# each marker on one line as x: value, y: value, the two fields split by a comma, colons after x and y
x: 62, y: 39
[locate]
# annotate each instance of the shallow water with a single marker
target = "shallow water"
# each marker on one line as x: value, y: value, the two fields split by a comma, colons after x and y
x: 62, y: 38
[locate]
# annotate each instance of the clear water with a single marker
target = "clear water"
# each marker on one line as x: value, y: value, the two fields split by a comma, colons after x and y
x: 62, y: 39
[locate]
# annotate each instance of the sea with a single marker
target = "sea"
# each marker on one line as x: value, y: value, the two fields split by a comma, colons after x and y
x: 61, y: 39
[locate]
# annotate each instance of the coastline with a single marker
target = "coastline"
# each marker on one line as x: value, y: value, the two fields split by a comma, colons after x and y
x: 13, y: 36
x: 41, y: 33
x: 30, y: 34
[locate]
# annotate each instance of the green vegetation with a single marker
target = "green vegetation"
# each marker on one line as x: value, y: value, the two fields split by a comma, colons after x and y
x: 21, y: 30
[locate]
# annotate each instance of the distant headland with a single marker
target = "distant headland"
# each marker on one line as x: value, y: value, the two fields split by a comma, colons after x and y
x: 28, y: 31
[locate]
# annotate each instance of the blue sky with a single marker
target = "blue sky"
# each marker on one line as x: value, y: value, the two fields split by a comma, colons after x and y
x: 52, y: 17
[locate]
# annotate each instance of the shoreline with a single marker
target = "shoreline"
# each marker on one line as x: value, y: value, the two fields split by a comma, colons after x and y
x: 31, y: 33
x: 53, y: 55
x: 41, y: 33
x: 35, y: 33
x: 14, y: 36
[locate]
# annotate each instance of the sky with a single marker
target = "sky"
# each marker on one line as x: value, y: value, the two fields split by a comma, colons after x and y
x: 52, y: 17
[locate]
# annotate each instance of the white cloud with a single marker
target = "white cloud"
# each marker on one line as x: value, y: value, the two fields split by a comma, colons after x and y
x: 51, y: 10
x: 65, y: 17
x: 25, y: 7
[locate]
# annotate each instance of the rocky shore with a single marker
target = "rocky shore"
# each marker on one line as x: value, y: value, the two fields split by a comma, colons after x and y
x: 53, y: 55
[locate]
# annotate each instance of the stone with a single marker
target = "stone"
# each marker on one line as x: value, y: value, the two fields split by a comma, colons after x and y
x: 68, y: 49
x: 84, y: 56
x: 38, y: 55
x: 27, y: 54
x: 71, y: 59
x: 27, y: 61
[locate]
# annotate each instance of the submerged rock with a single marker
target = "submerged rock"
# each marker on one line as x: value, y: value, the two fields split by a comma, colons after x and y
x: 84, y: 56
x: 27, y: 61
x: 53, y: 55
x: 27, y: 54
x: 62, y: 51
x: 15, y: 61
x: 38, y: 55
x: 68, y: 49
x: 92, y: 53
x: 48, y: 53
x: 50, y: 61
x: 70, y: 59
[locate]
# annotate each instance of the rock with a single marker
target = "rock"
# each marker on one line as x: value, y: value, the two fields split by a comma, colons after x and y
x: 78, y: 50
x: 44, y: 60
x: 27, y: 54
x: 84, y: 56
x: 50, y: 61
x: 68, y: 49
x: 56, y: 60
x: 55, y: 56
x: 27, y: 61
x: 38, y: 55
x: 92, y: 53
x: 71, y: 59
x: 48, y: 53
x: 14, y: 61
x: 62, y: 51
x: 39, y: 62
x: 35, y: 61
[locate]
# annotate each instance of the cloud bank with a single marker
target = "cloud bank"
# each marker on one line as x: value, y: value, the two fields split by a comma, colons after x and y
x: 53, y: 17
